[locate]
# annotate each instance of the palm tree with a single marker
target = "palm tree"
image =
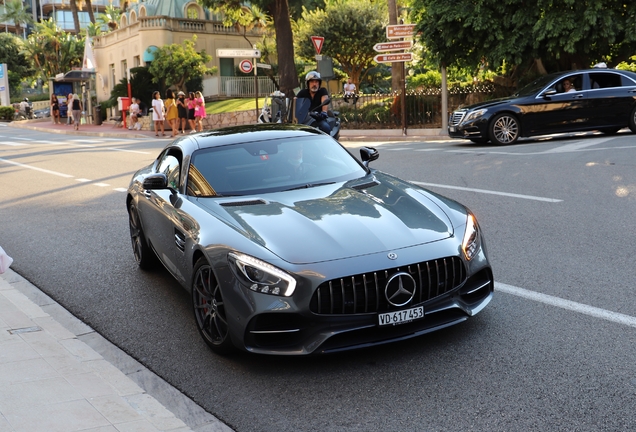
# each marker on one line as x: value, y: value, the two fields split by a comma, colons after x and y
x: 14, y: 11
x: 110, y: 17
x: 249, y: 19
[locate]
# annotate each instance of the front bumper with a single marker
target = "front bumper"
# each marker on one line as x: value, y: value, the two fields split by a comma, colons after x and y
x: 472, y: 129
x: 306, y: 333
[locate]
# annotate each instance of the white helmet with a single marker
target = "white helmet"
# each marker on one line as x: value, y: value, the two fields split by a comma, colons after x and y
x: 313, y: 75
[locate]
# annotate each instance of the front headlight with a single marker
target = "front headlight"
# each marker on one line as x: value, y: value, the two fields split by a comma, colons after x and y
x: 471, y: 242
x: 475, y: 114
x: 260, y: 276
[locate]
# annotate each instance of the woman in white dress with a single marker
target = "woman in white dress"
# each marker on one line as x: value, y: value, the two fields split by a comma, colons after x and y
x: 158, y: 113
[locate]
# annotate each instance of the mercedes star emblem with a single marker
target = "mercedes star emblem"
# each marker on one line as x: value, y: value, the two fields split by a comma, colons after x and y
x: 400, y: 289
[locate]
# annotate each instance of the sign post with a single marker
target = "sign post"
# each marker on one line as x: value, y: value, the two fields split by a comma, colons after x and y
x: 242, y: 53
x: 398, y: 31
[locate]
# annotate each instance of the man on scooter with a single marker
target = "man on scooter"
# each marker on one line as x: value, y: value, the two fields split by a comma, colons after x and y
x: 317, y: 94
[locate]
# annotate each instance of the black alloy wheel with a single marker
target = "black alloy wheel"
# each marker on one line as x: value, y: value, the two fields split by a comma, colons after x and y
x: 144, y: 255
x: 209, y: 309
x: 632, y: 120
x: 504, y: 129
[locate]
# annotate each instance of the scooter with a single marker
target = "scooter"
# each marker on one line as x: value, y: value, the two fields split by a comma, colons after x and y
x: 304, y: 116
x: 277, y: 111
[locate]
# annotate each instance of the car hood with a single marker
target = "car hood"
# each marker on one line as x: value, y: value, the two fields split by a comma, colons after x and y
x: 336, y: 221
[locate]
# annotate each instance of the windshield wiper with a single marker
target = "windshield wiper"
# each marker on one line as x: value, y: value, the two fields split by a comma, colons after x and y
x: 308, y: 185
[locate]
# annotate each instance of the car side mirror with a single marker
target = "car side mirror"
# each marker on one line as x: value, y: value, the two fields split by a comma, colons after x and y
x: 155, y: 181
x: 550, y: 92
x: 368, y: 154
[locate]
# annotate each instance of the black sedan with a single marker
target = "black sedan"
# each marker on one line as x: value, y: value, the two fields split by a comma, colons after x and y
x: 581, y: 100
x: 289, y: 245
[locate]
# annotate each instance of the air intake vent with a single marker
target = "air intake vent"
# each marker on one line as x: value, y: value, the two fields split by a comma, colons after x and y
x: 243, y: 203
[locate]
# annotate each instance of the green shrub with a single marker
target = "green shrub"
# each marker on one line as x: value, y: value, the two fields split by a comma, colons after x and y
x: 6, y: 112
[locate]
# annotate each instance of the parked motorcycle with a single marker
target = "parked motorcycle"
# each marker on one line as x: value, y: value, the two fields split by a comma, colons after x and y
x: 276, y: 111
x: 304, y: 116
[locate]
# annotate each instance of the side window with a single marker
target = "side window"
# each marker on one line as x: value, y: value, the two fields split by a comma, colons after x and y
x: 171, y: 167
x: 604, y: 80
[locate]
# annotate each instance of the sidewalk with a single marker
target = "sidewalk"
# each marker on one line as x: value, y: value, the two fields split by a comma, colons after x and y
x: 58, y: 374
x: 107, y: 130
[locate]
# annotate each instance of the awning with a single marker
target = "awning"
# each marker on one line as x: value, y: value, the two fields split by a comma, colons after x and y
x: 75, y: 75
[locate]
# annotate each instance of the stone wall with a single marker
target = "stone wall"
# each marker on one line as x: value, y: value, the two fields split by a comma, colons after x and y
x: 213, y: 121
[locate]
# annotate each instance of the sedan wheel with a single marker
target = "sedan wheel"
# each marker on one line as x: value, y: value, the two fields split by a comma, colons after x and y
x: 632, y: 121
x: 504, y: 129
x: 144, y: 255
x: 209, y: 309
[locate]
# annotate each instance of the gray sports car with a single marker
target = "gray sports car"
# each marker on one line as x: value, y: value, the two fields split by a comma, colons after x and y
x: 289, y: 245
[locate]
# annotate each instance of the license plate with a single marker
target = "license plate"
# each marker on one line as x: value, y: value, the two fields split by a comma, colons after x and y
x: 452, y: 128
x: 401, y: 316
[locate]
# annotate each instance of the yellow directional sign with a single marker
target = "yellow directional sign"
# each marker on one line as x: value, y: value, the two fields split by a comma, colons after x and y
x: 393, y: 58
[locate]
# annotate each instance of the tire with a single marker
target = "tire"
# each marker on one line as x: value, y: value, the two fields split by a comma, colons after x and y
x: 144, y: 255
x: 632, y: 120
x: 609, y: 131
x: 209, y: 309
x: 504, y: 129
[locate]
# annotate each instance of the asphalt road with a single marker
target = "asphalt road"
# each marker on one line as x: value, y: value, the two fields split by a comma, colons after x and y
x: 554, y: 350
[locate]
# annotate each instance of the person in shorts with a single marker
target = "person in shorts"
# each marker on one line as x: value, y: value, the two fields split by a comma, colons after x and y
x: 134, y: 115
x: 191, y: 106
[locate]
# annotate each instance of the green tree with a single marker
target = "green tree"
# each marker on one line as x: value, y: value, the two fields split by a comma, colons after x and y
x: 178, y: 63
x: 140, y: 84
x: 52, y: 50
x: 16, y: 12
x: 544, y: 35
x: 19, y: 66
x: 350, y: 28
x: 279, y: 11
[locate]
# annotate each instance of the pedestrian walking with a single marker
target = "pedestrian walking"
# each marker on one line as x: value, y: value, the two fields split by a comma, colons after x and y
x: 77, y: 110
x: 55, y: 109
x: 182, y: 107
x: 199, y: 110
x: 191, y: 109
x: 158, y: 113
x: 69, y: 109
x: 172, y: 113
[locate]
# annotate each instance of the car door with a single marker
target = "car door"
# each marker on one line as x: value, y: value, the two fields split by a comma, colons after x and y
x: 160, y: 212
x: 553, y: 110
x: 611, y: 99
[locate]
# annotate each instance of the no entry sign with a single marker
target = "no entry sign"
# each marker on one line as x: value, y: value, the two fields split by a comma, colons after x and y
x: 246, y: 66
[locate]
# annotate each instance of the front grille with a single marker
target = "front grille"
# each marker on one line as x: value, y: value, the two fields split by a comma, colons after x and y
x: 456, y: 118
x: 364, y: 293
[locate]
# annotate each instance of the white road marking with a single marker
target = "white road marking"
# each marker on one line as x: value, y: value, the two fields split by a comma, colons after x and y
x: 121, y: 189
x: 577, y: 145
x: 484, y: 191
x: 36, y: 168
x: 14, y: 144
x: 101, y: 184
x: 567, y: 304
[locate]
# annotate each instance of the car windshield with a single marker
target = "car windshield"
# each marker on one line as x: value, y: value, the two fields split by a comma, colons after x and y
x: 270, y: 166
x: 536, y: 86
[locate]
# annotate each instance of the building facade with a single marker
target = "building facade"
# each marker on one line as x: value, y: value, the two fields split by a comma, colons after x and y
x: 147, y: 25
